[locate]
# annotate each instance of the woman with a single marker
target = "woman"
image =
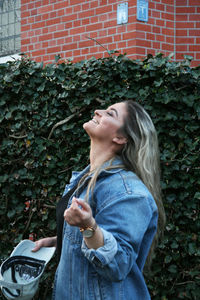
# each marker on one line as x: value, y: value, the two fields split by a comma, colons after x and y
x: 115, y: 212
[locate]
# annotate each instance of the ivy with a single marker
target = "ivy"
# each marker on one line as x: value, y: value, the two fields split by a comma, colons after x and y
x: 42, y: 110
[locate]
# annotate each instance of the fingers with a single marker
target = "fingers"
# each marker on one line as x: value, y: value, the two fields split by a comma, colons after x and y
x: 37, y: 246
x: 78, y: 214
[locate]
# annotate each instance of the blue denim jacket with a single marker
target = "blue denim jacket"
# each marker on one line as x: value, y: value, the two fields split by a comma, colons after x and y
x: 127, y: 215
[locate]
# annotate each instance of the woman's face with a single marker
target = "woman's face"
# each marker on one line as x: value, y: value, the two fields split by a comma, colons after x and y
x: 105, y: 124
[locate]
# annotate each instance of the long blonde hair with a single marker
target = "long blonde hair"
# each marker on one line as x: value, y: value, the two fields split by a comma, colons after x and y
x: 141, y: 155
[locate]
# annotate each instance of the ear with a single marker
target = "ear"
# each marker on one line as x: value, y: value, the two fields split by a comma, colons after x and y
x: 120, y: 140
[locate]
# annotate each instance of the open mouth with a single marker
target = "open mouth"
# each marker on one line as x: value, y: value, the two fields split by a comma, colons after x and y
x: 95, y: 121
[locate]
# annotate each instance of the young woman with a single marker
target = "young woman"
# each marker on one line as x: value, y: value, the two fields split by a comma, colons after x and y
x: 115, y: 211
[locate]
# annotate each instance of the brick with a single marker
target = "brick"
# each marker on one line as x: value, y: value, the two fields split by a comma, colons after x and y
x: 180, y: 32
x: 53, y: 21
x: 45, y: 45
x: 74, y: 2
x: 24, y: 49
x: 168, y: 47
x: 25, y: 14
x: 185, y: 25
x: 87, y: 43
x: 111, y: 23
x: 105, y: 40
x: 140, y: 50
x: 143, y: 43
x: 93, y: 27
x: 45, y: 37
x: 156, y: 29
x: 169, y: 9
x: 76, y: 38
x: 112, y: 31
x: 181, y: 2
x: 25, y: 28
x: 25, y: 41
x: 68, y: 25
x: 160, y: 7
x: 85, y: 51
x: 70, y: 17
x: 181, y: 48
x: 94, y: 20
x: 185, y: 40
x: 76, y: 52
x: 131, y: 35
x: 94, y: 4
x: 77, y: 30
x: 150, y: 36
x: 53, y: 14
x: 185, y: 10
x: 121, y: 45
x: 38, y: 52
x: 151, y: 51
x: 152, y: 5
x: 167, y: 31
x: 156, y: 14
x: 194, y: 32
x: 131, y: 43
x: 160, y: 23
x: 38, y: 25
x: 23, y: 21
x: 86, y: 14
x: 181, y: 18
x: 198, y: 41
x: 160, y: 37
x: 194, y: 17
x: 168, y: 2
x: 143, y: 27
x: 194, y: 48
x: 170, y: 40
x: 45, y: 30
x: 60, y: 34
x: 76, y: 23
x: 34, y: 12
x: 102, y: 32
x: 194, y: 2
x: 60, y: 12
x: 167, y: 16
x: 103, y: 9
x: 197, y: 24
x: 117, y: 38
x: 38, y: 18
x: 54, y: 49
x: 45, y: 9
x: 61, y: 4
x: 30, y: 20
x: 52, y: 28
x: 156, y: 45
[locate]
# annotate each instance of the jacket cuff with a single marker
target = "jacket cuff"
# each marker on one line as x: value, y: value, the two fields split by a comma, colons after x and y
x: 103, y: 255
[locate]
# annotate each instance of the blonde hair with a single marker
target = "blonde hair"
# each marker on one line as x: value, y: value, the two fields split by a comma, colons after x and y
x: 141, y: 155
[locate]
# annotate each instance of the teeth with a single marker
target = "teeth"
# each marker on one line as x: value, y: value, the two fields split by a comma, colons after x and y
x: 95, y: 121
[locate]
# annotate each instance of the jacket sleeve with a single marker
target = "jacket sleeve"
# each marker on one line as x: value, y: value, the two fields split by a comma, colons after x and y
x: 126, y: 225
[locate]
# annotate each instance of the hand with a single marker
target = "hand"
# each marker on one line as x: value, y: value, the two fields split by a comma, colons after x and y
x: 79, y: 214
x: 46, y: 242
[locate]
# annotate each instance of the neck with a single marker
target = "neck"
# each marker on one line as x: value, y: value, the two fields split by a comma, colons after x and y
x: 99, y: 154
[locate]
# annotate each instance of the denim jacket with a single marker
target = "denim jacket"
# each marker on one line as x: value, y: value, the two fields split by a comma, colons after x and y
x: 127, y: 214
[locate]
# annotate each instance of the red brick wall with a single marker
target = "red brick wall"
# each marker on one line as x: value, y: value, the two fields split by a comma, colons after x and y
x: 67, y: 27
x: 188, y: 29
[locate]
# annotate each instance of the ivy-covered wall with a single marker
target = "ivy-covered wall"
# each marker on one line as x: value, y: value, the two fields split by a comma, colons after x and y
x: 42, y: 110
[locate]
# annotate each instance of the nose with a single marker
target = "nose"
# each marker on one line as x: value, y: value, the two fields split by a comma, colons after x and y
x: 98, y: 112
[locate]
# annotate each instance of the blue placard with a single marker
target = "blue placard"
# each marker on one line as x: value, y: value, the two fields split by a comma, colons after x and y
x: 142, y: 10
